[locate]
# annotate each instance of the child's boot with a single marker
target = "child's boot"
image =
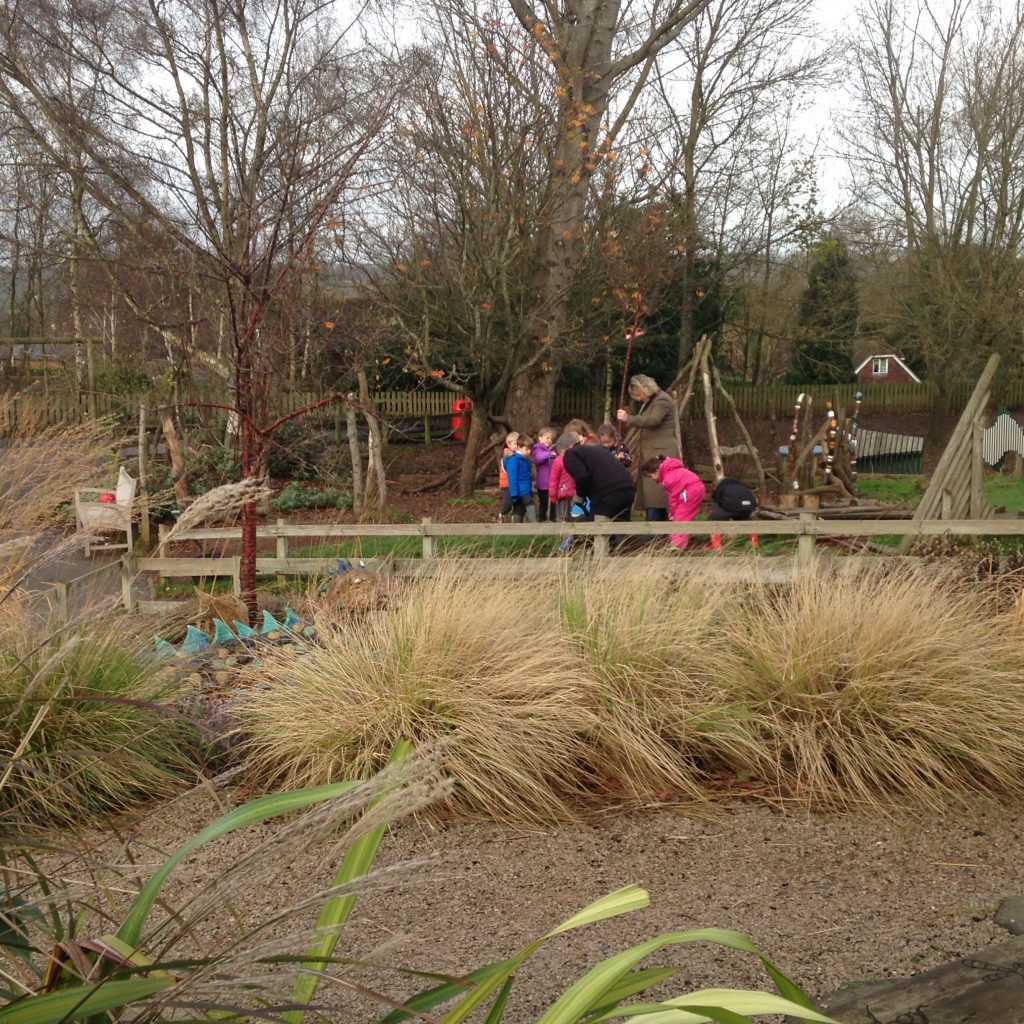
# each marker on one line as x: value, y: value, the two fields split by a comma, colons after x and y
x: 716, y: 542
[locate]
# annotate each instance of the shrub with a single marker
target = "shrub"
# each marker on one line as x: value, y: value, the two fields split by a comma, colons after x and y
x: 296, y: 452
x: 82, y: 731
x: 297, y: 496
x: 648, y: 644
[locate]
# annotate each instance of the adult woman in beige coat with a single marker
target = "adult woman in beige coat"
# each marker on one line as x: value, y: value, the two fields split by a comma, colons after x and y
x: 656, y: 424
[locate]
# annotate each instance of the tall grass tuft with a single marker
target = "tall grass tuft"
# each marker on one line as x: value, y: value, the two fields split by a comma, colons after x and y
x: 859, y: 685
x: 648, y: 644
x: 81, y: 732
x: 470, y: 666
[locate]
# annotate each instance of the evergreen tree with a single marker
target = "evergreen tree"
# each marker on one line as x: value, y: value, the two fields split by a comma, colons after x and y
x: 827, y: 323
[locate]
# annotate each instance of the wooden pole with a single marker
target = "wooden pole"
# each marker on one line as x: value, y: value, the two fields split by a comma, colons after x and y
x: 429, y: 542
x: 709, y: 415
x: 747, y: 440
x: 352, y: 429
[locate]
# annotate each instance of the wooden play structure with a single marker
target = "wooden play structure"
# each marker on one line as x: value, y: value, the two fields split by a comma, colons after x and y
x: 703, y: 365
x: 955, y: 490
x: 830, y: 452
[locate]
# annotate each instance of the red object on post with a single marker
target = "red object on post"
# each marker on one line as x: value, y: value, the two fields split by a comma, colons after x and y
x: 462, y: 413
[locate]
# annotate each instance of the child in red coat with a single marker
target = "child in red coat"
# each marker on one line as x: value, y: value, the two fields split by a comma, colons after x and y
x: 684, y: 488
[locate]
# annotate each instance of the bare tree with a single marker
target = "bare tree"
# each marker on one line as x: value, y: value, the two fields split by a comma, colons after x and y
x: 938, y: 151
x: 230, y: 134
x: 725, y: 86
x: 454, y: 236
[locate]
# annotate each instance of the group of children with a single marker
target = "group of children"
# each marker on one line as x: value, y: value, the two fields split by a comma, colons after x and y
x: 556, y: 488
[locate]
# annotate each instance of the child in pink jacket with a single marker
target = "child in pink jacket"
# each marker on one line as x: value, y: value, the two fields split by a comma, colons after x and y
x: 561, y: 486
x: 684, y: 488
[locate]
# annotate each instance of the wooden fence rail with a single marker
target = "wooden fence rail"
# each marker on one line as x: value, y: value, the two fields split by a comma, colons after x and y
x: 806, y: 529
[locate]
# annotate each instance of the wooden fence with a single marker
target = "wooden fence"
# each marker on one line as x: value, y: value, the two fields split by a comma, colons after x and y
x: 28, y: 410
x: 806, y: 529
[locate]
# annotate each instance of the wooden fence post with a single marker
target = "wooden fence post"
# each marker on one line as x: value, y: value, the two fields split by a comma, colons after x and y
x: 601, y: 545
x: 282, y: 546
x: 63, y: 608
x: 429, y: 542
x: 128, y: 596
x: 805, y: 542
x: 236, y: 575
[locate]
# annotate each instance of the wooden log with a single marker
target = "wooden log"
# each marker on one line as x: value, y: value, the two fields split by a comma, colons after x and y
x: 709, y: 413
x: 754, y: 454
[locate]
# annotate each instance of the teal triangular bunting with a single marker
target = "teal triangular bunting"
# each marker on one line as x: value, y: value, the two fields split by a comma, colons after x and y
x: 195, y: 641
x: 291, y: 620
x: 163, y: 648
x: 222, y: 633
x: 270, y: 624
x: 244, y: 631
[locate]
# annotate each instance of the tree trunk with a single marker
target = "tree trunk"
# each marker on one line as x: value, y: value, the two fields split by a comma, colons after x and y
x: 477, y: 427
x: 532, y: 397
x: 178, y: 472
x: 376, y: 484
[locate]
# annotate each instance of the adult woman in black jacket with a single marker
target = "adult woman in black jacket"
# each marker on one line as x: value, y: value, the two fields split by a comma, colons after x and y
x: 602, y: 478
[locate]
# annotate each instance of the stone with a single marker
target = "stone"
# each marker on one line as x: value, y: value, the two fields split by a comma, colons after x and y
x: 985, y: 988
x: 1010, y: 915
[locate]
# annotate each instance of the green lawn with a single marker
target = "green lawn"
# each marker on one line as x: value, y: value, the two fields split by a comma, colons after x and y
x: 1005, y: 491
x: 412, y: 547
x: 891, y: 488
x: 1002, y: 491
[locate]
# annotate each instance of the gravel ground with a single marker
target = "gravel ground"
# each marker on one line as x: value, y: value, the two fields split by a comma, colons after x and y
x: 831, y: 898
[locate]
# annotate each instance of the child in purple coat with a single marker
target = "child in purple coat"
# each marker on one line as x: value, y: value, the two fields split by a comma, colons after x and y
x: 684, y: 488
x: 544, y: 455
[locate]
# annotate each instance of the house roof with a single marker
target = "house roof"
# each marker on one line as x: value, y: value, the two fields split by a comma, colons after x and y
x: 889, y: 355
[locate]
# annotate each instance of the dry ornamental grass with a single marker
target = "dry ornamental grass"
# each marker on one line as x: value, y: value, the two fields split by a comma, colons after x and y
x: 845, y: 688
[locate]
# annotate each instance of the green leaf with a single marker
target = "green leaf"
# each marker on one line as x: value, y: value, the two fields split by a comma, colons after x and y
x: 260, y: 809
x: 78, y: 1001
x: 634, y: 983
x: 624, y: 900
x: 15, y: 913
x: 498, y: 1009
x: 592, y: 989
x: 429, y: 998
x: 337, y: 909
x: 703, y: 1004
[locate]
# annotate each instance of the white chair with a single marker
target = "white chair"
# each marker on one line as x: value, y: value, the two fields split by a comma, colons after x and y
x: 95, y: 519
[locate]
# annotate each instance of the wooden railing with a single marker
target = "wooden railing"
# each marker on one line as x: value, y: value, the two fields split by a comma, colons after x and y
x: 806, y: 529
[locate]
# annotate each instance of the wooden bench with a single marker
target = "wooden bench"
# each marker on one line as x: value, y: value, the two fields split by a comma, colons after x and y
x: 97, y: 519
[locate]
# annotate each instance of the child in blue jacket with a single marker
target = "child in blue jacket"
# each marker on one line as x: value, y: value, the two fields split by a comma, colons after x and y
x: 520, y: 481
